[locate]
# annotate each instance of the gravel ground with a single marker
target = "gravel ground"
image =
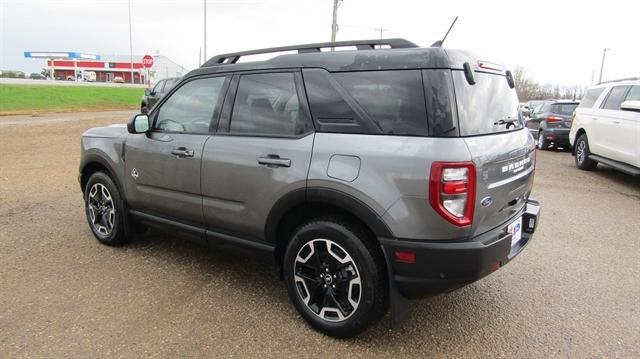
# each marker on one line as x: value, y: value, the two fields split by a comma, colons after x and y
x: 574, y: 292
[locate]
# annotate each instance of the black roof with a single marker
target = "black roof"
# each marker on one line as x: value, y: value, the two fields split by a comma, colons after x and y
x: 398, y: 54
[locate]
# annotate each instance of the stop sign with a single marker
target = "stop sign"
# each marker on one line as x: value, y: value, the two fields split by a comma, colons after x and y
x: 147, y: 61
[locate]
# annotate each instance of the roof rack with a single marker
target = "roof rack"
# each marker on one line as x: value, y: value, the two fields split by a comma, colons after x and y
x: 232, y: 58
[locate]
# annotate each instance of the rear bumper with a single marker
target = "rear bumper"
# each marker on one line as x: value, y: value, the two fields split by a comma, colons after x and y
x: 557, y: 135
x: 441, y: 267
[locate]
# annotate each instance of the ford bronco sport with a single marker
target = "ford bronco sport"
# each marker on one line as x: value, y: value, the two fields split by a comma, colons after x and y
x: 368, y: 176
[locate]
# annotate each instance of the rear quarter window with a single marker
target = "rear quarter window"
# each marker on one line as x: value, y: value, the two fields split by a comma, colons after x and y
x: 482, y: 106
x: 394, y: 100
x: 590, y: 97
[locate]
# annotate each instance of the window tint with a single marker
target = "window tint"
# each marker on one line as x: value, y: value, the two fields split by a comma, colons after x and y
x: 268, y: 104
x: 158, y: 87
x: 482, y: 106
x: 394, y: 100
x: 190, y: 108
x: 615, y: 97
x: 590, y: 97
x: 634, y: 94
x: 563, y: 108
x: 330, y: 107
x: 438, y: 90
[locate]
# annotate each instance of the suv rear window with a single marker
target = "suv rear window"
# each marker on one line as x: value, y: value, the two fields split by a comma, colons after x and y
x: 394, y: 100
x: 483, y: 105
x: 590, y: 97
x: 563, y: 108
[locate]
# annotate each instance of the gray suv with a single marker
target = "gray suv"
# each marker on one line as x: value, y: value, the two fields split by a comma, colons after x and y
x: 368, y: 176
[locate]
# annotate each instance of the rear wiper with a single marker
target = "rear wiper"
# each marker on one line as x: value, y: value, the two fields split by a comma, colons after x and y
x: 509, y: 121
x: 506, y: 120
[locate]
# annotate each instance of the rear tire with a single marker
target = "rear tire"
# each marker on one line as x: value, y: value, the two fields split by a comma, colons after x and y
x: 336, y: 277
x: 543, y: 144
x: 583, y: 161
x: 105, y: 210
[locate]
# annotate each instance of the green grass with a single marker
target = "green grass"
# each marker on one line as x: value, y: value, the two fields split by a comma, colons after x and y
x: 39, y: 98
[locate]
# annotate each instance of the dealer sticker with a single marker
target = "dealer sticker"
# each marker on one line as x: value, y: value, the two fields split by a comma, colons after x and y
x: 515, y: 230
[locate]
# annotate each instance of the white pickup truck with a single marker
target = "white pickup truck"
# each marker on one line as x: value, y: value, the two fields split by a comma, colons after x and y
x: 606, y: 127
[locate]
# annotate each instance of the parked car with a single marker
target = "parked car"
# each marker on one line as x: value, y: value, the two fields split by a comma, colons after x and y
x: 118, y: 80
x: 161, y: 88
x: 551, y: 122
x: 606, y: 127
x: 367, y: 176
x: 37, y: 76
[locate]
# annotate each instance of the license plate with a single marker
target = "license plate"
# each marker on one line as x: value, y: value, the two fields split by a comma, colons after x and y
x: 515, y: 230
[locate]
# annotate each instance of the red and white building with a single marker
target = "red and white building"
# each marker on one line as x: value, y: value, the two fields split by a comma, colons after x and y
x: 108, y: 67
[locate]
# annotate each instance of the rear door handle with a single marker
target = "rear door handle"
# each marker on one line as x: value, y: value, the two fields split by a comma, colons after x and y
x: 274, y: 161
x: 182, y: 152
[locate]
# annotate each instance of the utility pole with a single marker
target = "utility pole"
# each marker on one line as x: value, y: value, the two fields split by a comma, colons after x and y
x: 205, y: 31
x: 604, y: 53
x: 334, y: 23
x: 130, y: 43
x: 381, y: 30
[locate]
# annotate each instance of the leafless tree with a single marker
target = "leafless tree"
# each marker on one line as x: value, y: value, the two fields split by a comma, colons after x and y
x: 528, y: 89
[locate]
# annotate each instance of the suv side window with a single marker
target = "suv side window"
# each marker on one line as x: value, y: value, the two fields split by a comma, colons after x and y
x: 394, y: 100
x: 591, y: 97
x: 615, y: 98
x: 158, y: 87
x: 268, y: 104
x: 191, y: 107
x: 634, y: 94
x: 440, y: 99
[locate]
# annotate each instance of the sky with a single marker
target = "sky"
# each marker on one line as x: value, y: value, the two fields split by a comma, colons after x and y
x: 558, y: 42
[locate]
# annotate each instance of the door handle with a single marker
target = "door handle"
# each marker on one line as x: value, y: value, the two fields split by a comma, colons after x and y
x: 274, y: 161
x: 182, y: 152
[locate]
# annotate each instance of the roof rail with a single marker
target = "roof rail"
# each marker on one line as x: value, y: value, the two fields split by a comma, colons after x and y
x: 232, y: 58
x: 619, y: 80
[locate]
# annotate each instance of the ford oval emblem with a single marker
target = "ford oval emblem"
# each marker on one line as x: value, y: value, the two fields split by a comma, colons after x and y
x: 486, y: 202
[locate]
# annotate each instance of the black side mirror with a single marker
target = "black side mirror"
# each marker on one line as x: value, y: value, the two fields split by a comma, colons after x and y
x: 146, y: 92
x: 139, y: 124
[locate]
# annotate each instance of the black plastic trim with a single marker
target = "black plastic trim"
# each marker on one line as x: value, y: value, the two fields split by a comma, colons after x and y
x: 93, y: 157
x: 350, y: 204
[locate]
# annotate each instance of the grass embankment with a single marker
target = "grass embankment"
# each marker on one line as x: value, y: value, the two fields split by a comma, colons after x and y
x: 27, y: 99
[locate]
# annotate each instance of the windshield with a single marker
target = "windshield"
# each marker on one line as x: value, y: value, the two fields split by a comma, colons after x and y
x: 489, y: 106
x: 565, y: 109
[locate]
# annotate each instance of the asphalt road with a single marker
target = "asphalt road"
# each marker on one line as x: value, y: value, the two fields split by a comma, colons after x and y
x: 574, y: 292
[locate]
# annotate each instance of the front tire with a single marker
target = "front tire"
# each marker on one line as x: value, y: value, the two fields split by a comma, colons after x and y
x: 583, y: 161
x: 105, y: 210
x: 336, y: 277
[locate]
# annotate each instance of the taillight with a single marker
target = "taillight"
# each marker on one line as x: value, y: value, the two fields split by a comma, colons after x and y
x: 452, y: 191
x: 554, y: 119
